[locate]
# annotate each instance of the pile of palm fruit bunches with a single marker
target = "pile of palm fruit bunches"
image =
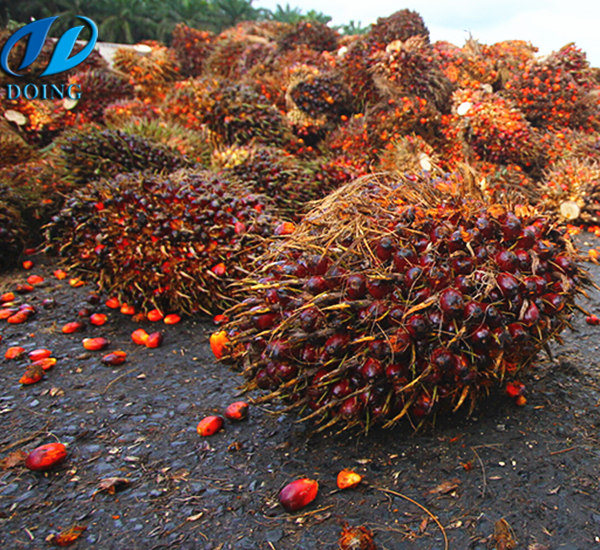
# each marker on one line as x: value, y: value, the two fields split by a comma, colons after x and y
x: 384, y: 220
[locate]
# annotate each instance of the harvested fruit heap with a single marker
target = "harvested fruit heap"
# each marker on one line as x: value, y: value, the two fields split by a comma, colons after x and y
x: 172, y: 242
x: 402, y: 299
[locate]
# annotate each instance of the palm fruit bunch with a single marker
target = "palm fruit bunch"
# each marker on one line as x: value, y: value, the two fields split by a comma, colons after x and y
x: 91, y: 152
x: 494, y: 128
x: 401, y: 299
x: 401, y: 25
x: 150, y: 67
x: 129, y: 111
x: 237, y: 114
x: 553, y: 93
x: 571, y: 187
x: 500, y: 180
x: 353, y: 62
x: 410, y: 153
x: 309, y: 34
x: 12, y: 231
x: 99, y: 88
x: 511, y: 57
x: 13, y: 148
x: 36, y: 119
x: 187, y: 100
x: 409, y: 68
x: 168, y: 241
x: 316, y: 101
x: 192, y: 47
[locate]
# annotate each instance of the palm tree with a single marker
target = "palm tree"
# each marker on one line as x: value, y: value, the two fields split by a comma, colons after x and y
x: 295, y: 15
x: 194, y: 13
x: 126, y: 21
x: 228, y: 13
x: 353, y: 28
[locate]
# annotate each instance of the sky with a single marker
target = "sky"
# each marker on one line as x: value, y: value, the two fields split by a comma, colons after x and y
x: 548, y: 25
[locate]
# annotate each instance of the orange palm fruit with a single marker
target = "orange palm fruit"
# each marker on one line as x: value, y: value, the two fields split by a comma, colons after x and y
x: 285, y: 228
x: 14, y: 352
x: 298, y: 494
x: 126, y: 309
x: 155, y: 315
x: 98, y: 319
x: 154, y: 340
x: 18, y: 318
x: 347, y: 479
x: 35, y: 279
x: 7, y: 297
x: 172, y: 319
x: 38, y: 354
x: 218, y: 343
x: 139, y: 336
x: 23, y: 288
x: 46, y: 363
x: 237, y: 410
x: 74, y: 326
x: 114, y: 358
x: 34, y: 373
x: 95, y: 344
x: 46, y: 456
x: 113, y: 303
x: 76, y: 282
x: 60, y: 274
x: 209, y: 425
x: 27, y: 264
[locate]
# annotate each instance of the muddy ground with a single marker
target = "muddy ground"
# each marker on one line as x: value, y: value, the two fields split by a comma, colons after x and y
x: 536, y: 467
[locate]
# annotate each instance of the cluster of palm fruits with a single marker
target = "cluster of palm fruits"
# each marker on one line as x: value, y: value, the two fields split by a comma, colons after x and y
x: 170, y: 241
x: 192, y: 47
x: 402, y: 299
x: 310, y: 34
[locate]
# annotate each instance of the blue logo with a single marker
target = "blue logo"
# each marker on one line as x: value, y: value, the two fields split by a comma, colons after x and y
x: 37, y: 31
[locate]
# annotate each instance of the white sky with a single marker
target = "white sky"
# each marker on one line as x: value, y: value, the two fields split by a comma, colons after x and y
x: 548, y: 25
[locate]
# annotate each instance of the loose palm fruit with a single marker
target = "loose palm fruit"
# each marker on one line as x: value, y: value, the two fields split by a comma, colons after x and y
x: 74, y: 326
x: 356, y: 538
x: 98, y: 319
x: 347, y: 479
x: 14, y: 352
x: 237, y: 410
x: 154, y: 340
x: 34, y: 373
x: 114, y: 358
x: 95, y: 344
x: 46, y: 363
x: 209, y: 425
x: 45, y: 457
x: 218, y: 343
x: 298, y: 494
x: 139, y: 337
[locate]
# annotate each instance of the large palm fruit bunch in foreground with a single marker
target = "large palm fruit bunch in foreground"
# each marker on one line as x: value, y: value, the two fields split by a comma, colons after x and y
x: 401, y: 299
x: 168, y: 241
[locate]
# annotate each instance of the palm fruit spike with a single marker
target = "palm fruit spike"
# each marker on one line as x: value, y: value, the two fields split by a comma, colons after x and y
x: 409, y: 68
x: 92, y: 152
x: 153, y: 240
x: 192, y: 47
x: 402, y: 299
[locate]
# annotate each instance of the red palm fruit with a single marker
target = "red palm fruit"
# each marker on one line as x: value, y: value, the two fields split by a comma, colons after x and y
x: 371, y: 369
x: 219, y: 270
x: 18, y: 318
x: 48, y: 303
x: 171, y: 319
x: 517, y: 332
x: 474, y: 312
x: 284, y: 228
x: 400, y: 341
x: 511, y: 227
x: 60, y: 274
x: 553, y: 303
x: 379, y: 288
x: 238, y: 410
x: 508, y: 284
x: 523, y: 259
x: 7, y: 312
x: 481, y: 338
x: 356, y: 538
x: 422, y: 406
x: 486, y: 226
x: 412, y: 276
x: 531, y: 315
x: 46, y: 364
x: 337, y: 344
x: 592, y: 320
x: 347, y: 479
x: 113, y: 303
x: 534, y: 285
x: 95, y: 344
x: 38, y: 354
x: 73, y: 326
x: 14, y: 352
x: 384, y: 249
x: 507, y: 260
x: 351, y: 408
x: 417, y: 326
x: 27, y: 264
x: 155, y: 315
x: 564, y: 264
x: 218, y: 343
x: 23, y: 288
x: 462, y: 264
x: 154, y: 340
x: 341, y: 389
x: 114, y: 358
x: 98, y: 319
x: 45, y: 457
x: 544, y: 249
x: 452, y: 302
x: 34, y: 373
x: 356, y: 286
x: 443, y: 360
x: 309, y: 354
x: 35, y: 279
x: 209, y: 425
x: 309, y: 319
x: 316, y: 285
x: 298, y: 494
x: 379, y: 349
x: 139, y: 317
x: 527, y: 237
x: 139, y: 337
x: 127, y: 309
x: 514, y: 389
x: 404, y: 258
x: 7, y: 297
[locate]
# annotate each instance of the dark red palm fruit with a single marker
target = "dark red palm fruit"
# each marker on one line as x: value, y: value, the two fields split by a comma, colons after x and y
x: 337, y: 344
x: 379, y: 288
x: 523, y: 259
x: 545, y: 249
x: 356, y: 538
x: 371, y: 369
x: 341, y: 389
x: 493, y: 317
x: 422, y: 406
x: 464, y: 284
x: 209, y: 425
x: 486, y: 226
x: 474, y: 312
x: 379, y: 349
x: 481, y: 338
x: 506, y: 260
x: 93, y: 298
x: 384, y: 249
x: 45, y: 457
x: 335, y: 276
x: 417, y: 326
x: 374, y: 311
x: 351, y: 408
x: 435, y: 318
x: 452, y: 302
x: 455, y: 241
x: 534, y: 285
x: 427, y: 260
x: 437, y: 277
x: 508, y: 284
x: 318, y: 265
x: 396, y: 371
x: 310, y: 319
x: 24, y: 288
x: 396, y: 314
x: 421, y: 294
x: 400, y: 342
x: 413, y: 275
x: 356, y: 286
x: 278, y: 350
x: 564, y: 264
x: 84, y: 312
x: 316, y: 284
x: 511, y: 227
x: 265, y: 321
x: 309, y: 354
x: 527, y: 237
x: 262, y: 379
x: 154, y: 340
x: 421, y: 244
x: 518, y: 333
x: 502, y: 337
x: 404, y: 259
x: 298, y: 494
x: 553, y: 303
x: 285, y: 372
x: 237, y: 411
x: 531, y: 315
x: 115, y: 358
x: 443, y: 361
x: 462, y: 264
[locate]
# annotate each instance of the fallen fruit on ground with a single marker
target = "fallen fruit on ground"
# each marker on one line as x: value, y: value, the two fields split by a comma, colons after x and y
x: 73, y: 326
x: 13, y: 352
x: 98, y: 319
x: 171, y: 319
x: 298, y: 494
x: 209, y: 425
x: 139, y: 337
x: 155, y: 315
x: 46, y: 456
x: 46, y: 363
x: 347, y: 479
x: 356, y: 538
x: 218, y: 343
x: 114, y: 358
x: 237, y: 410
x: 95, y: 344
x: 154, y: 340
x: 38, y: 354
x: 33, y: 374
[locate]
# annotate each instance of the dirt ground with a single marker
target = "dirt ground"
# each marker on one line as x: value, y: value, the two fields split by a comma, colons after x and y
x: 535, y: 466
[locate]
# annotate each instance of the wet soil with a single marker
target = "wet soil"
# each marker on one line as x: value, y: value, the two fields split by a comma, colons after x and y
x: 535, y: 466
